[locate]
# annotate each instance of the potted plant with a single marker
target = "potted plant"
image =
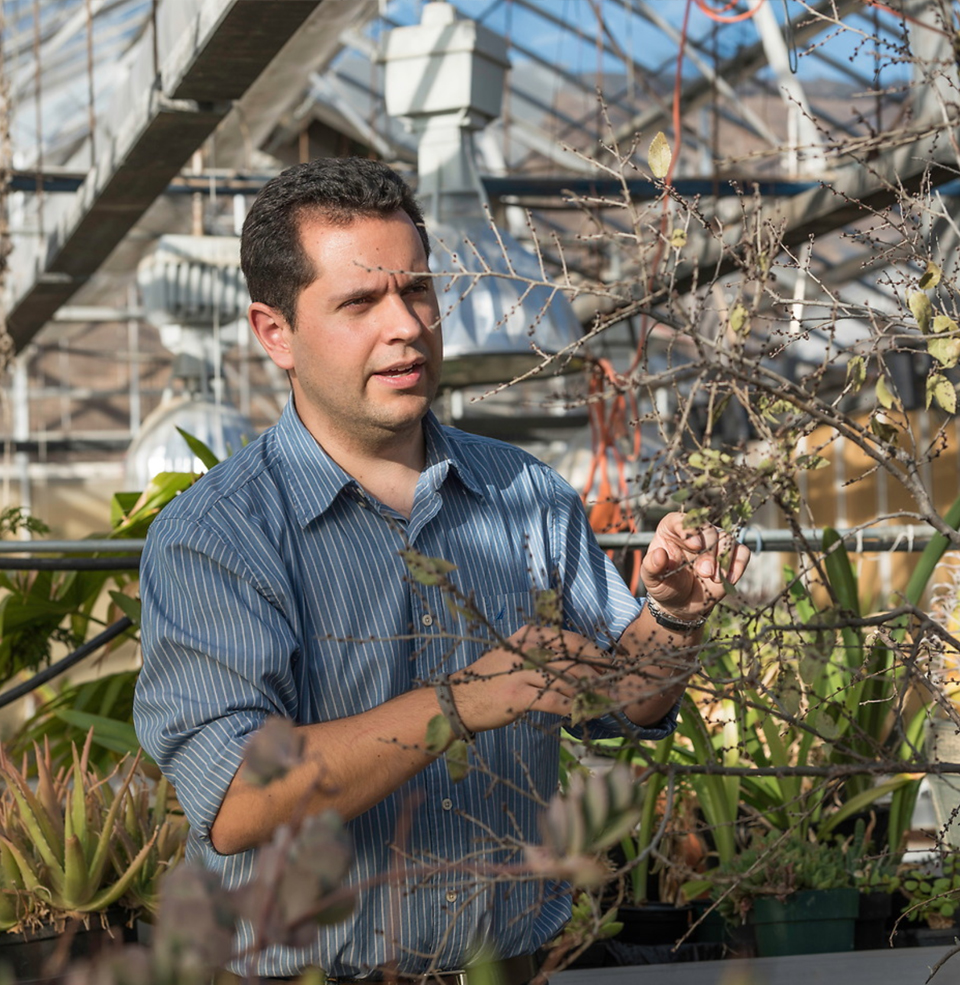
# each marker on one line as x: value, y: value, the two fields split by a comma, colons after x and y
x: 78, y: 848
x: 798, y: 894
x: 933, y: 899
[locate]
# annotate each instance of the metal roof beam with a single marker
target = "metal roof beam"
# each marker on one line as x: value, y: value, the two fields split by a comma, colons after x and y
x: 852, y: 191
x: 742, y: 65
x: 216, y: 56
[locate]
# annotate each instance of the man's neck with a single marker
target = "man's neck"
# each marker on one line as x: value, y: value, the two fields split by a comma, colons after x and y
x: 387, y: 467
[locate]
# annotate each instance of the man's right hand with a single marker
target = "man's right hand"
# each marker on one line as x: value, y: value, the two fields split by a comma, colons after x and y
x: 386, y: 745
x: 539, y: 669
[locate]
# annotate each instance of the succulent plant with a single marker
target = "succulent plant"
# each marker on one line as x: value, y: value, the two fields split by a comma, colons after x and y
x: 593, y: 813
x: 76, y: 841
x: 777, y: 864
x: 934, y: 896
x: 149, y: 817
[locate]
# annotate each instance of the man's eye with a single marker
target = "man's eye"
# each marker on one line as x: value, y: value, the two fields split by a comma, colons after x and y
x: 355, y: 302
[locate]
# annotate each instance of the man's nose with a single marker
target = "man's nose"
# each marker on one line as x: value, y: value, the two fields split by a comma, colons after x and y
x: 402, y: 322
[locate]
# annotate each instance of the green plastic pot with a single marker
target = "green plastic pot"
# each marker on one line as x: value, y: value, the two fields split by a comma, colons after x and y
x: 813, y: 921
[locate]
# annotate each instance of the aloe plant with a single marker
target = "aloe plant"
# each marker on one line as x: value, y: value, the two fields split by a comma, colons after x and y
x: 151, y: 817
x: 61, y: 837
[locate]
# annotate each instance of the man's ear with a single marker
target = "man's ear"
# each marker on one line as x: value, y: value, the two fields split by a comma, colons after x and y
x: 273, y: 332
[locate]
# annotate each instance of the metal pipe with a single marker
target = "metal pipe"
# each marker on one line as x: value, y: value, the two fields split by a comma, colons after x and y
x: 908, y: 538
x: 55, y: 669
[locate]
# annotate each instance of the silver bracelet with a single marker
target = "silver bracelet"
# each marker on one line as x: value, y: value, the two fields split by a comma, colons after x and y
x: 672, y: 622
x: 448, y: 706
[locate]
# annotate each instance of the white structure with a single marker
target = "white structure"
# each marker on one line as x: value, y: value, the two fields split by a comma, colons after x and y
x: 501, y: 317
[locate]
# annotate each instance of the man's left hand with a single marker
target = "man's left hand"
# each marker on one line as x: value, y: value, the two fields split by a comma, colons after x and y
x: 688, y: 569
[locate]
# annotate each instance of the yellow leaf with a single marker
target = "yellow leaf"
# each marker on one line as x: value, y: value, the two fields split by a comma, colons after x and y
x: 940, y: 389
x: 678, y: 239
x: 945, y: 351
x: 922, y: 310
x: 882, y: 427
x: 884, y: 395
x: 659, y: 156
x: 944, y: 323
x: 930, y: 277
x: 739, y: 319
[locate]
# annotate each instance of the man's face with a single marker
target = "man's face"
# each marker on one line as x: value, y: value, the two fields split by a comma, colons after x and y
x: 364, y: 359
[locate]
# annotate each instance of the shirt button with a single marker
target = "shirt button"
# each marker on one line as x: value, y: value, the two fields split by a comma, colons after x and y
x: 427, y: 619
x: 446, y: 803
x: 451, y: 896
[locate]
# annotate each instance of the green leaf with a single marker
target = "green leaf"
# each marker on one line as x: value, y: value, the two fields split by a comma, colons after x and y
x: 588, y: 705
x: 439, y: 734
x: 130, y: 607
x: 108, y: 733
x: 922, y: 309
x: 548, y: 607
x: 426, y: 570
x: 861, y: 801
x: 202, y: 451
x: 930, y: 277
x: 941, y: 390
x: 457, y: 758
x: 121, y: 504
x: 946, y: 351
x: 856, y: 372
x: 843, y: 579
x: 824, y: 725
x: 659, y: 156
x: 161, y: 489
x: 943, y: 324
x: 718, y: 408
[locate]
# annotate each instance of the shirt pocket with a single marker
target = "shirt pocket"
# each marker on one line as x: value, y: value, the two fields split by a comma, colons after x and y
x: 497, y: 617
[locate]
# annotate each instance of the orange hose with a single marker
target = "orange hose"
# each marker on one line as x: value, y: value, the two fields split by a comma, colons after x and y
x: 718, y: 15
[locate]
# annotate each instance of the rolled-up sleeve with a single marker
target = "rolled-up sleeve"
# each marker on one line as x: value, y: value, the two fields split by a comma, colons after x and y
x: 217, y: 653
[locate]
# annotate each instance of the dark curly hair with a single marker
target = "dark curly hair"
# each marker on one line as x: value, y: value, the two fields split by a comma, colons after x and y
x: 337, y: 189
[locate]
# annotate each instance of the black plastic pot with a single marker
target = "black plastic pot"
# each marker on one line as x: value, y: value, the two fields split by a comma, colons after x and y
x: 649, y: 936
x: 42, y: 955
x: 872, y: 929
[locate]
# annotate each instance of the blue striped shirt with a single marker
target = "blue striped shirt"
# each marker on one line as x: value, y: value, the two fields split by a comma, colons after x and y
x: 274, y: 586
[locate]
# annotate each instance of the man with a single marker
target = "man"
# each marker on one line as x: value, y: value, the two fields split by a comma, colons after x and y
x: 276, y: 586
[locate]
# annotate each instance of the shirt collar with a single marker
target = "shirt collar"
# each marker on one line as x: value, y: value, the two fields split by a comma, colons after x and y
x: 443, y: 454
x: 315, y: 479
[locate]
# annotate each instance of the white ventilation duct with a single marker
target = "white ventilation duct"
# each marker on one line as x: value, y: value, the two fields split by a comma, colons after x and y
x: 445, y: 77
x: 193, y: 291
